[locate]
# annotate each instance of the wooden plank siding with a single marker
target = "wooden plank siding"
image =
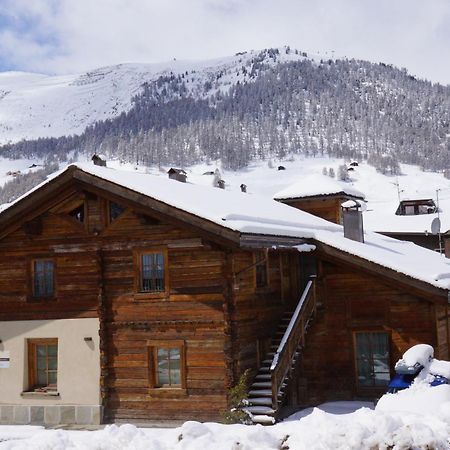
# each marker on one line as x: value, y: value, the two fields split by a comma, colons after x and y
x: 327, y: 207
x: 352, y: 301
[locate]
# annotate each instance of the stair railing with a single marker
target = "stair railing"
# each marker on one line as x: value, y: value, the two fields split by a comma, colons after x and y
x: 293, y: 338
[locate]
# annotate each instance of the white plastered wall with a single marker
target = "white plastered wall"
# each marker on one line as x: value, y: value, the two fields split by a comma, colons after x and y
x: 78, y: 361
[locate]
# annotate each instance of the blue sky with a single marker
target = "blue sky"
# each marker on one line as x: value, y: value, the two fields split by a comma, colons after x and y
x: 67, y: 36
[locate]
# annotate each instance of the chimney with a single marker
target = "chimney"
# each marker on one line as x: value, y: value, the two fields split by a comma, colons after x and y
x: 353, y: 220
x: 221, y: 184
x: 243, y: 187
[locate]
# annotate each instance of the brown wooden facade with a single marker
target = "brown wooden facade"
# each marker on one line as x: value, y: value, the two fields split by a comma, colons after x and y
x: 327, y: 207
x: 212, y: 308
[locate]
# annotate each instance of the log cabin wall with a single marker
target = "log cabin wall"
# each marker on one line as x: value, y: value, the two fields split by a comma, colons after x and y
x: 95, y: 276
x: 258, y: 310
x: 326, y: 207
x: 351, y: 301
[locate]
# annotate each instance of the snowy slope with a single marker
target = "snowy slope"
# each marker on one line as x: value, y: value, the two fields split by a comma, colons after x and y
x: 36, y: 105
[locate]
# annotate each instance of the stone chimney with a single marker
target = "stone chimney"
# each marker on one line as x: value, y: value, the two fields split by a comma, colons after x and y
x: 353, y: 220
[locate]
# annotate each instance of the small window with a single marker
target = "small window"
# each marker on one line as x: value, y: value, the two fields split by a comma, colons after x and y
x: 43, y: 364
x: 152, y: 272
x: 78, y: 213
x: 43, y: 278
x: 261, y: 269
x: 167, y: 362
x: 372, y: 359
x: 115, y: 210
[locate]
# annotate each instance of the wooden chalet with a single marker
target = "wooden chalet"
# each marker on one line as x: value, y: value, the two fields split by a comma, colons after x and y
x: 126, y: 296
x: 320, y: 196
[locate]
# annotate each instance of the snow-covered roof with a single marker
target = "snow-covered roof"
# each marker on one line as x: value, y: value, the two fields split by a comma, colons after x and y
x: 255, y: 214
x: 317, y: 185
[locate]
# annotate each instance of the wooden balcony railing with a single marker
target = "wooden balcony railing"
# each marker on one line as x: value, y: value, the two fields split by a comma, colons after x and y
x: 293, y: 339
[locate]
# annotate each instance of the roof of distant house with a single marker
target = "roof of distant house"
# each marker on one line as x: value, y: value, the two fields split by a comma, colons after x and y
x: 317, y: 185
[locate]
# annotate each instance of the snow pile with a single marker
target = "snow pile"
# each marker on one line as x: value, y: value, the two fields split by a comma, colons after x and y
x: 317, y: 185
x: 420, y: 353
x: 316, y: 429
x: 421, y: 397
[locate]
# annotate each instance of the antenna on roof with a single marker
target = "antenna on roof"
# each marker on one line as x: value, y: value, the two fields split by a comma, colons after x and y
x: 399, y: 191
x: 438, y: 220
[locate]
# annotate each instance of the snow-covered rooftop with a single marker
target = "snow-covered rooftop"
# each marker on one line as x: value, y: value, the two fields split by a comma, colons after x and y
x: 317, y: 185
x: 256, y: 214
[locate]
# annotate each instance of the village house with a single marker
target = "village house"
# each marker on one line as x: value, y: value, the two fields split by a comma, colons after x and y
x: 127, y: 296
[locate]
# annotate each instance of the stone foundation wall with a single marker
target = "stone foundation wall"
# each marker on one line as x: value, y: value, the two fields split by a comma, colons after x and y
x: 50, y: 415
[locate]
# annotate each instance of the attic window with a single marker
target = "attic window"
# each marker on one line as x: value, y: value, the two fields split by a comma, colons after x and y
x: 78, y: 213
x: 115, y: 210
x: 416, y: 207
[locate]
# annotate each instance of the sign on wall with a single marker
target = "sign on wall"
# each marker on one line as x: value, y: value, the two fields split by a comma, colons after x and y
x: 4, y: 360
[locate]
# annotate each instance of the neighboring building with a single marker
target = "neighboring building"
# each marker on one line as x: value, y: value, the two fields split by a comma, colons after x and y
x: 319, y: 195
x: 410, y: 220
x: 177, y: 174
x: 125, y: 296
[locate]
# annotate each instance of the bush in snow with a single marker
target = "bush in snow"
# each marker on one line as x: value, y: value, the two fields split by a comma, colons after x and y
x: 237, y: 401
x: 331, y: 173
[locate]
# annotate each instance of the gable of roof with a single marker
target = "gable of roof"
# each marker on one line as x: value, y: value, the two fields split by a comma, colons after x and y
x: 236, y: 217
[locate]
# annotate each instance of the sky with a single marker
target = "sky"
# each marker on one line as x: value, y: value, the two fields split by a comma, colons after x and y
x: 70, y: 36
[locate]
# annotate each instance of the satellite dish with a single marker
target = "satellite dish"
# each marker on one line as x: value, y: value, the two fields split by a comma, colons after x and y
x: 436, y: 225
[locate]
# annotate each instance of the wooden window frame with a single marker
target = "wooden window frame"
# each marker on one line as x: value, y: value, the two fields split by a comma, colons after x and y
x: 152, y: 351
x: 257, y: 262
x: 108, y: 211
x: 370, y: 389
x: 137, y: 257
x: 32, y: 364
x: 31, y: 291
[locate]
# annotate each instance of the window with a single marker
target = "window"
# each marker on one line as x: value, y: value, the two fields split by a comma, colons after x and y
x: 114, y: 211
x: 167, y: 364
x: 78, y: 213
x: 152, y: 270
x: 261, y: 259
x: 43, y: 364
x: 43, y: 278
x: 372, y: 359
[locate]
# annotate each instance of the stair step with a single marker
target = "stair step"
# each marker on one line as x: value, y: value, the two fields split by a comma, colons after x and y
x: 263, y: 420
x: 260, y: 410
x: 262, y: 384
x: 263, y: 376
x: 260, y: 392
x: 259, y: 401
x: 267, y: 362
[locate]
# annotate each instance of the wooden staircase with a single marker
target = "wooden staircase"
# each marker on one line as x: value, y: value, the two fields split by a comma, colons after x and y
x: 268, y: 390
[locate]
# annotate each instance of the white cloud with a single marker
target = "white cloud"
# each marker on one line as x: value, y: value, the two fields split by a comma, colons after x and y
x: 75, y: 35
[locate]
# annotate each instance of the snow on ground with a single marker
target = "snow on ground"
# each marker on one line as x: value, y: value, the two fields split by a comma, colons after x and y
x: 10, y: 166
x: 332, y: 426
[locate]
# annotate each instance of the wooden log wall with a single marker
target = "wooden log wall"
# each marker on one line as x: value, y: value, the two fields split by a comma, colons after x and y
x: 94, y: 264
x: 329, y: 208
x: 257, y: 311
x: 353, y: 301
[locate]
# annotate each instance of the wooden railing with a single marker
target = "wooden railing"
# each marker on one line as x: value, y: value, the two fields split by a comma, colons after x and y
x: 293, y: 339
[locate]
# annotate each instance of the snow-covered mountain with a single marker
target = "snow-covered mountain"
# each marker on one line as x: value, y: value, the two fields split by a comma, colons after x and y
x: 34, y: 105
